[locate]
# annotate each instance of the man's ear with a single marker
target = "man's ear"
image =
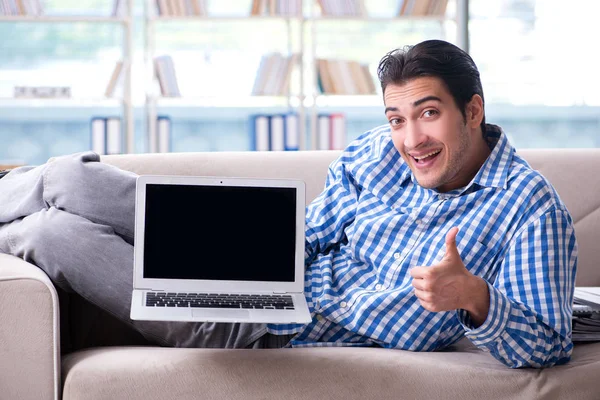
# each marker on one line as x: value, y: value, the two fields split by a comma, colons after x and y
x: 474, y: 111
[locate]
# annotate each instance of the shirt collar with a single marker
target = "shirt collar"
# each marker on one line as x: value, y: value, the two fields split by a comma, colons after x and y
x: 493, y: 172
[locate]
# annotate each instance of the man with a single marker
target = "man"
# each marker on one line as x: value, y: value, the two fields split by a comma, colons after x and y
x: 429, y: 229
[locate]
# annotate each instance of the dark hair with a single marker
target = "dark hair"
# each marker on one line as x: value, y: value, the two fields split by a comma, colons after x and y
x: 435, y: 58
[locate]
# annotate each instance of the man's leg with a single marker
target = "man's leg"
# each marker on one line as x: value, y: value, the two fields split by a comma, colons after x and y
x: 78, y: 184
x: 63, y: 216
x: 88, y: 258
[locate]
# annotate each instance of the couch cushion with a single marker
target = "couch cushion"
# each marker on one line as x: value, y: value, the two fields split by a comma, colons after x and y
x: 309, y: 166
x: 462, y: 372
x: 574, y: 175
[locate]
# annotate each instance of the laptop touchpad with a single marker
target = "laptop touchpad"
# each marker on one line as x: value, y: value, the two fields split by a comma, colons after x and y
x: 220, y: 313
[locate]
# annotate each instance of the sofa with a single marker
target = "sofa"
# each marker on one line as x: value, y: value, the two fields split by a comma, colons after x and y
x: 36, y: 320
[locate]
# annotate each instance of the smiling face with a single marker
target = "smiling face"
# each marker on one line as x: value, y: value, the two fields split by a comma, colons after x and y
x: 443, y: 150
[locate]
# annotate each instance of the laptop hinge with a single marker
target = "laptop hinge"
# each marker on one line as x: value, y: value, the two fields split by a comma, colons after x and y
x: 280, y: 292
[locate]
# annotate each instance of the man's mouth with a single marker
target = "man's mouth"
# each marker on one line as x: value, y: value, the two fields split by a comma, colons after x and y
x: 425, y: 158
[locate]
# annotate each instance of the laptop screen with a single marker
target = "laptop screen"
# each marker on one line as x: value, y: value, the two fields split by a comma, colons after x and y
x: 220, y: 233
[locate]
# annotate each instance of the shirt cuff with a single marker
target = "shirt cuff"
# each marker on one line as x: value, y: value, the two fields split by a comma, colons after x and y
x: 495, y: 322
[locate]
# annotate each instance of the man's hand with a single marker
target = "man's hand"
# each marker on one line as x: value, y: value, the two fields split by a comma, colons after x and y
x: 448, y: 285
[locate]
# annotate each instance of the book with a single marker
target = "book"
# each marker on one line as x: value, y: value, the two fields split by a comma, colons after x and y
x: 323, y: 131
x: 165, y: 73
x: 114, y: 136
x: 337, y: 133
x: 161, y: 139
x: 98, y: 135
x: 119, y: 8
x: 260, y: 136
x: 277, y: 130
x: 292, y: 132
x: 117, y: 78
x: 164, y: 137
x: 106, y: 135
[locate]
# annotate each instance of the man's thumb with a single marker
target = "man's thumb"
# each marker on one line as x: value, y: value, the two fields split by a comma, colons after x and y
x: 451, y: 249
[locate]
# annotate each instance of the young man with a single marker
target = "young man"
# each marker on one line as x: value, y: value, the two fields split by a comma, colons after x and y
x: 429, y: 229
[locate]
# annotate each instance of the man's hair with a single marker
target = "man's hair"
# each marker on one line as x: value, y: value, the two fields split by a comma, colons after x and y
x: 434, y: 58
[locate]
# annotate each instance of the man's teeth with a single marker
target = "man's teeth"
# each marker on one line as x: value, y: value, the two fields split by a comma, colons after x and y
x: 427, y: 155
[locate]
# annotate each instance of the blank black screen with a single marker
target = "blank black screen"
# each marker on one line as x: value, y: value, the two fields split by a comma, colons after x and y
x: 216, y: 232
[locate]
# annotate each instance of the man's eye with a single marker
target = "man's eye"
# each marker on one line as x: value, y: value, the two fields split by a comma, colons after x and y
x: 395, y: 121
x: 430, y: 113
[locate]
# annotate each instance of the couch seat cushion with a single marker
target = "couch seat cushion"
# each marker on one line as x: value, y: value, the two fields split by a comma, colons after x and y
x: 462, y: 372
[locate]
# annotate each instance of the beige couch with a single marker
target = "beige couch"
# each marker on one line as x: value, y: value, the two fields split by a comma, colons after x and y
x: 31, y: 365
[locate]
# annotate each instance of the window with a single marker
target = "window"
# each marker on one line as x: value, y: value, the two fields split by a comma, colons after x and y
x: 538, y: 64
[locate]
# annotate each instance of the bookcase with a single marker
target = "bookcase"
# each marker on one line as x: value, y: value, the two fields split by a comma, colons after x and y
x: 301, y: 35
x: 288, y: 24
x: 120, y: 18
x: 304, y: 37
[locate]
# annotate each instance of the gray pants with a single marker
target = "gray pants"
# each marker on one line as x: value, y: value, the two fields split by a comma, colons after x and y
x: 74, y: 219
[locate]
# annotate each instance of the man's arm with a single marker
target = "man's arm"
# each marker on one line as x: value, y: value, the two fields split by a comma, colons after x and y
x: 333, y: 210
x: 529, y: 306
x: 529, y: 320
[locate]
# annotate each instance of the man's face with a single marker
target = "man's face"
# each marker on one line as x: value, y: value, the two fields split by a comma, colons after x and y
x: 430, y: 133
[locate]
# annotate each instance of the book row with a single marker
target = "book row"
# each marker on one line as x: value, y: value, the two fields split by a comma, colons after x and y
x: 331, y: 131
x: 280, y: 132
x: 274, y: 132
x: 267, y: 132
x: 21, y: 7
x: 107, y: 136
x: 342, y: 7
x: 344, y: 77
x: 36, y: 7
x: 276, y: 7
x: 181, y: 8
x: 274, y: 74
x: 258, y: 7
x: 337, y: 77
x: 420, y: 8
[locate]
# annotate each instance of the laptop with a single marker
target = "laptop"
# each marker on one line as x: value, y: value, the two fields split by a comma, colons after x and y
x: 219, y: 249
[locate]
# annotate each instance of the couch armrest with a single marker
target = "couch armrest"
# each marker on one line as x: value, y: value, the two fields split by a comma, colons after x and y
x: 29, y: 332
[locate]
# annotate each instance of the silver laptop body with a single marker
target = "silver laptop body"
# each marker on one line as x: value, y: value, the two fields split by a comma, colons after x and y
x: 219, y: 249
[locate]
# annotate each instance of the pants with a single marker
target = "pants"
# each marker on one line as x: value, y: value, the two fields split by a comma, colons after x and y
x: 74, y: 219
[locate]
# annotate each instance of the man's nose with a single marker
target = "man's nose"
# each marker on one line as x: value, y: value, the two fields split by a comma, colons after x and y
x: 414, y: 136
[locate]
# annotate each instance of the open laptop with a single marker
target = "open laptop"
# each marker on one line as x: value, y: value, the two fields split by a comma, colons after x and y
x: 219, y: 249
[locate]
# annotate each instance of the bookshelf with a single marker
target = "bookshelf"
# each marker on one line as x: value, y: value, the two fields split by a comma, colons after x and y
x: 299, y: 30
x: 292, y: 27
x: 122, y: 19
x: 308, y: 103
x: 321, y: 101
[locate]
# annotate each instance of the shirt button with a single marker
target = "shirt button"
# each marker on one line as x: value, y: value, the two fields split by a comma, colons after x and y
x: 319, y: 317
x: 418, y: 222
x: 343, y: 304
x: 378, y: 286
x: 396, y: 255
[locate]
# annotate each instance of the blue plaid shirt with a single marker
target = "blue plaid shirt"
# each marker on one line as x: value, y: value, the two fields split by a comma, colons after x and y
x: 373, y: 222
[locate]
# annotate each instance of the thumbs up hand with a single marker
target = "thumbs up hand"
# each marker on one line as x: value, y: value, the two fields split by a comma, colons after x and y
x: 448, y: 285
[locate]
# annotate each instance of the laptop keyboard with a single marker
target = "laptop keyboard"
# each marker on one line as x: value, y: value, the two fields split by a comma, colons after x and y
x: 215, y: 300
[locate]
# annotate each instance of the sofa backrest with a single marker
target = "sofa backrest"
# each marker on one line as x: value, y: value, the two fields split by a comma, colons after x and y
x: 575, y: 173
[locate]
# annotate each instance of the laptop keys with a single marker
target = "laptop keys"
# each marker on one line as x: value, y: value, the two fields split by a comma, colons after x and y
x: 216, y: 300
